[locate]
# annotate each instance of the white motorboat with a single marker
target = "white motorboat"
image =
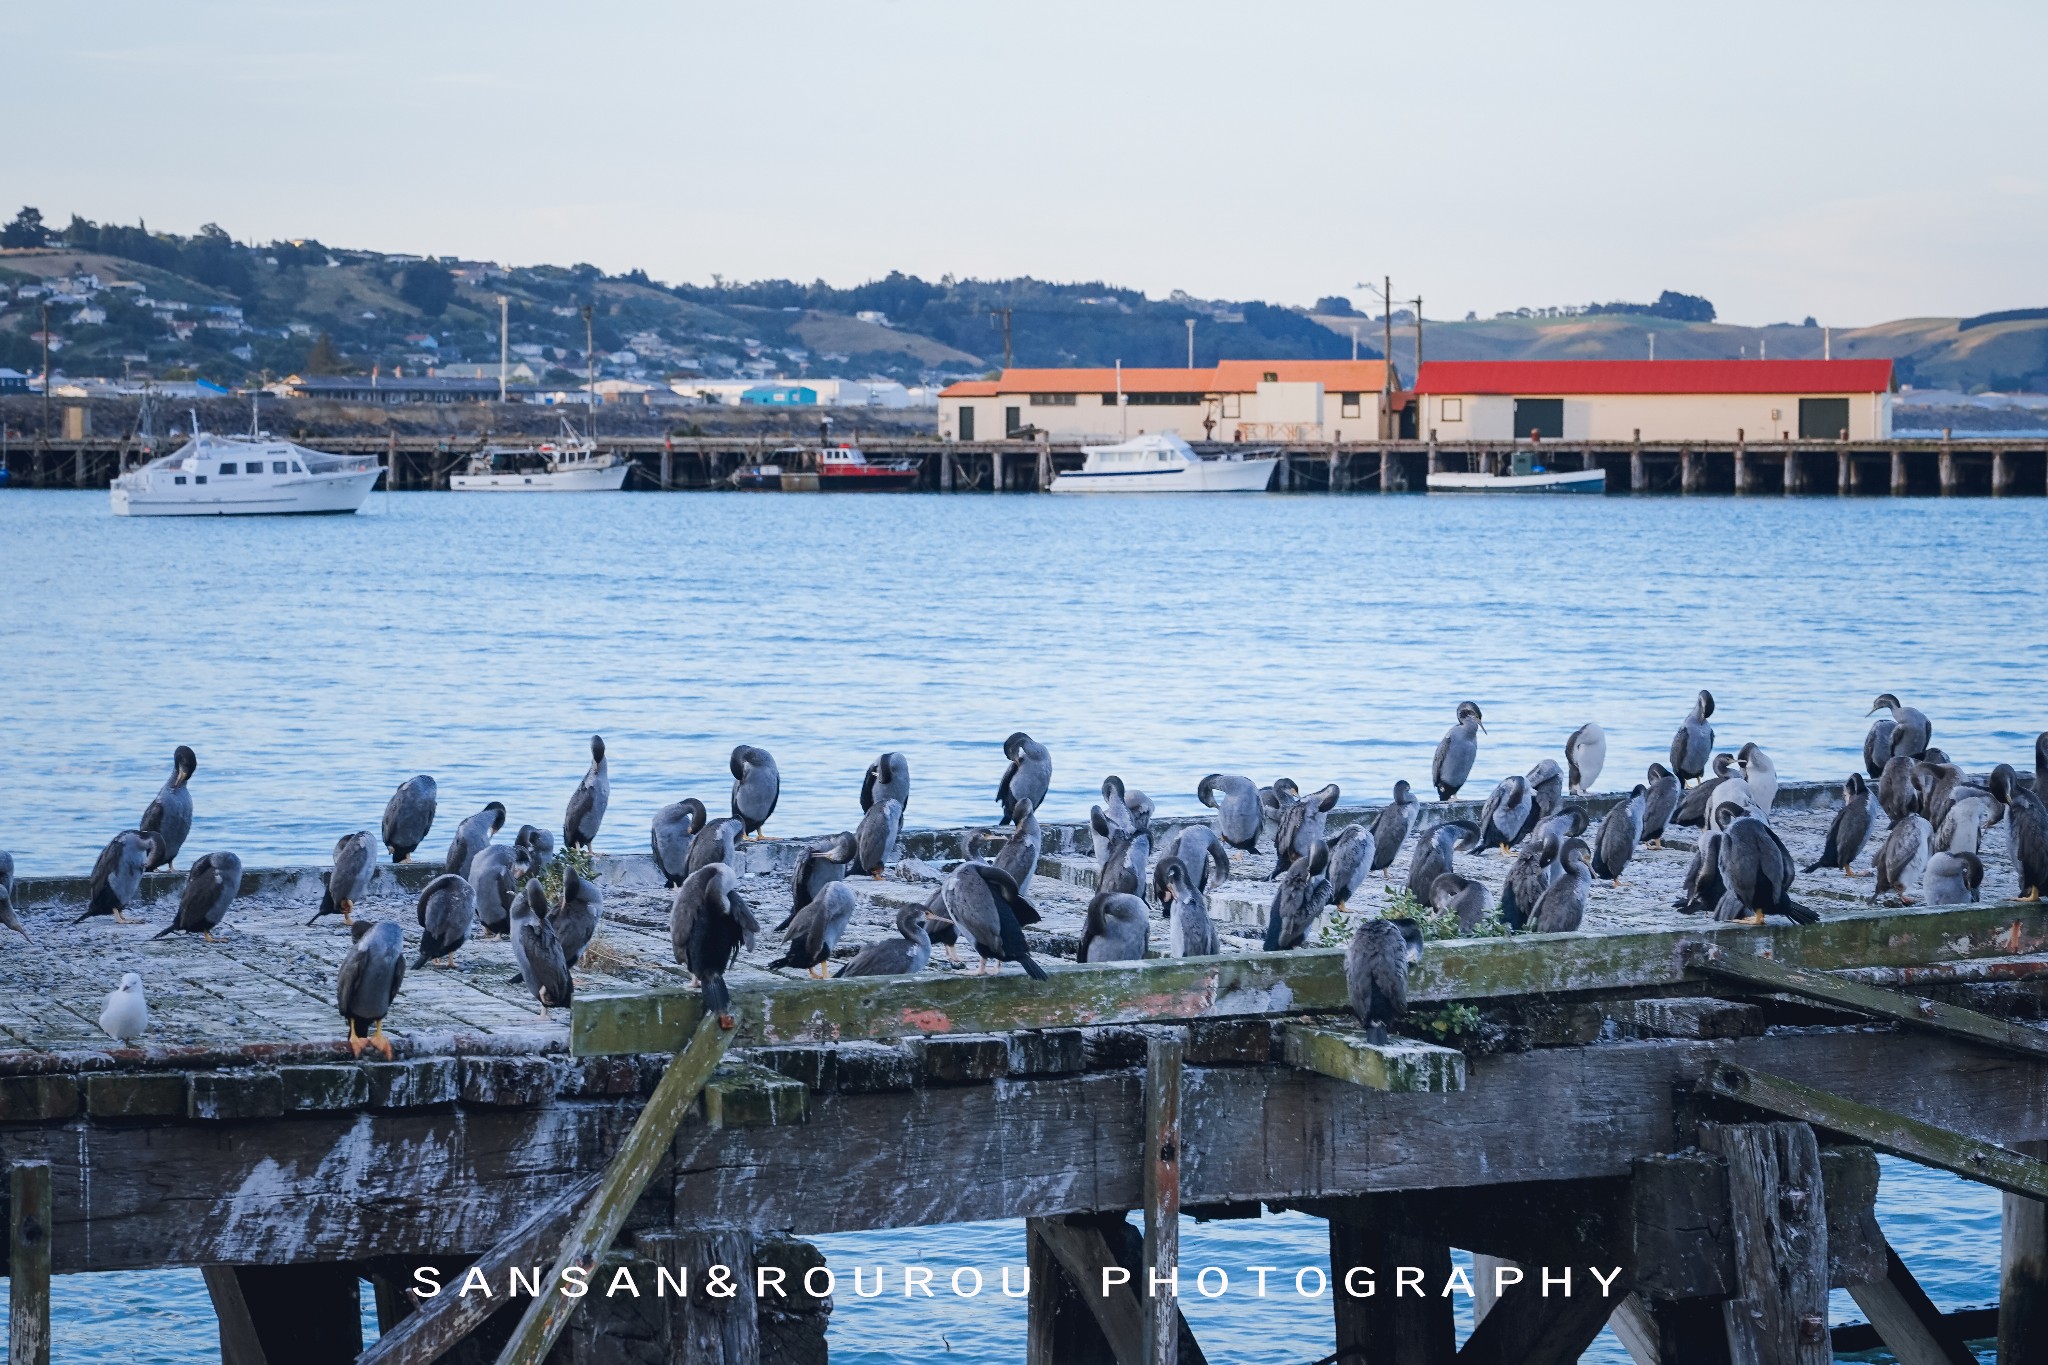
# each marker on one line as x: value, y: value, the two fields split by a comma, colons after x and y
x: 1523, y: 474
x: 229, y: 476
x: 1160, y: 462
x: 570, y: 464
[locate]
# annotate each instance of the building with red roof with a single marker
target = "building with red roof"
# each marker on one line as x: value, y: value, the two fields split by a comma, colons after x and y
x: 1655, y: 400
x: 1237, y: 400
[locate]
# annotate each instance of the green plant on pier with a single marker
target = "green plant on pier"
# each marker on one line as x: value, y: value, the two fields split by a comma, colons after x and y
x: 554, y: 872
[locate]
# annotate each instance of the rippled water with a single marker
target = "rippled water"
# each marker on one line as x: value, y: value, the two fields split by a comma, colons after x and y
x: 314, y: 663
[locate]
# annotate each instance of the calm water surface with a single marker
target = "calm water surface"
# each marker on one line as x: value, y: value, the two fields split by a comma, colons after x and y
x: 315, y: 663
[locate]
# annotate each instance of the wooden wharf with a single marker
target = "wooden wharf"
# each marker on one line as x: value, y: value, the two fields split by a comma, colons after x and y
x: 1695, y: 1109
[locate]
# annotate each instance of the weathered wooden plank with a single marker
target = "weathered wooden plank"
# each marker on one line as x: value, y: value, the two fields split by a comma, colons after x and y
x: 1160, y: 1261
x: 702, y: 1326
x: 1285, y: 983
x: 1401, y: 1329
x: 1762, y: 974
x: 1685, y: 1016
x: 1930, y: 1145
x: 1912, y: 1328
x: 270, y: 1314
x: 1636, y: 1330
x: 1527, y: 1327
x: 28, y: 1275
x: 1399, y: 1065
x: 438, y: 1323
x: 1084, y: 1256
x: 1777, y: 1210
x: 599, y: 1221
x: 2023, y: 1275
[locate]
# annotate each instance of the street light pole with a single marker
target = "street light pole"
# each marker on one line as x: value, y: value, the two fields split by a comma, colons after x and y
x: 504, y: 318
x: 46, y: 379
x: 1387, y: 368
x: 1191, y: 343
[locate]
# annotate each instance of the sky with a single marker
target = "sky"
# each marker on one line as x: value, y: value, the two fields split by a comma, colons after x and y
x: 1855, y: 162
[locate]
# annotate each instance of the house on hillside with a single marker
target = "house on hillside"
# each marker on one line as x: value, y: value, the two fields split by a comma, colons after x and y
x: 1238, y: 400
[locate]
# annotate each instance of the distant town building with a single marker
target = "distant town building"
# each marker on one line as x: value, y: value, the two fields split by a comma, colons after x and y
x: 824, y: 393
x: 12, y: 381
x: 392, y: 390
x: 1660, y: 400
x: 1238, y: 400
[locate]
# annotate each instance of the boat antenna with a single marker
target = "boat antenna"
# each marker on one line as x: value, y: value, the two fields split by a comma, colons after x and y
x: 194, y: 410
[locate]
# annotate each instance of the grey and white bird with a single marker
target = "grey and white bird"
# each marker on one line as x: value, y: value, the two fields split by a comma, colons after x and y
x: 1117, y: 928
x: 1029, y: 775
x: 408, y: 815
x: 472, y: 835
x: 1534, y: 869
x: 1127, y: 808
x: 1585, y: 754
x: 1298, y: 901
x: 985, y: 904
x: 1733, y: 794
x: 1275, y: 800
x: 1902, y: 857
x: 8, y: 917
x: 1760, y: 775
x: 1391, y: 826
x: 1897, y: 792
x: 1849, y: 829
x: 1434, y: 855
x: 1620, y: 832
x: 1190, y: 931
x: 585, y: 811
x: 823, y: 862
x: 1018, y: 855
x: 1509, y: 812
x: 348, y: 880
x: 1467, y: 901
x: 875, y: 840
x: 1570, y: 822
x: 1877, y: 746
x: 717, y: 842
x: 1911, y: 730
x: 1125, y: 858
x: 1200, y: 853
x: 126, y: 1015
x: 1302, y: 827
x: 907, y: 954
x: 1951, y: 879
x: 2026, y: 831
x: 1457, y: 751
x: 708, y: 923
x: 1350, y: 861
x: 1938, y: 785
x: 1694, y: 742
x: 538, y: 843
x: 1961, y: 828
x: 813, y: 932
x: 756, y: 787
x: 117, y: 876
x: 447, y: 911
x: 169, y: 817
x: 1376, y: 966
x: 1692, y: 805
x: 1661, y: 795
x: 1756, y: 873
x: 887, y: 777
x: 213, y: 883
x: 1561, y: 909
x: 576, y: 919
x: 1703, y: 888
x: 543, y: 968
x: 494, y: 874
x: 1546, y: 787
x: 368, y: 983
x: 675, y: 825
x: 1236, y: 803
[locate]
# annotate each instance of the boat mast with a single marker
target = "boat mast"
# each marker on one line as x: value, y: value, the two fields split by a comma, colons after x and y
x: 504, y: 316
x: 590, y: 382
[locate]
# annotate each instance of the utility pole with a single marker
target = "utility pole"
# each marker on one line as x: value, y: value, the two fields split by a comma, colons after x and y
x: 1354, y: 341
x: 1004, y: 314
x: 590, y: 384
x: 1418, y: 339
x: 504, y: 317
x: 1387, y: 369
x: 46, y: 380
x: 1191, y: 343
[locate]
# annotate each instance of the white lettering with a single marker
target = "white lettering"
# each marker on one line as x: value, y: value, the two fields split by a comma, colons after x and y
x: 1457, y: 1280
x: 1121, y: 1275
x: 1565, y: 1280
x: 1607, y: 1280
x: 1262, y: 1269
x: 881, y: 1274
x: 1025, y: 1292
x: 575, y: 1281
x: 1407, y: 1277
x: 1352, y: 1289
x: 969, y: 1293
x: 761, y: 1277
x: 626, y: 1275
x: 831, y: 1282
x: 917, y: 1277
x: 663, y: 1278
x: 1501, y: 1280
x: 475, y: 1279
x: 518, y: 1283
x: 1322, y: 1282
x: 1222, y: 1282
x: 429, y: 1280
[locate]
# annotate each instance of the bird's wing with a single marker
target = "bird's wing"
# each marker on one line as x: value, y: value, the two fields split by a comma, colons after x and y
x: 200, y: 889
x: 351, y: 978
x: 580, y: 805
x: 743, y: 915
x: 1443, y: 751
x: 153, y: 816
x: 867, y: 786
x: 109, y: 859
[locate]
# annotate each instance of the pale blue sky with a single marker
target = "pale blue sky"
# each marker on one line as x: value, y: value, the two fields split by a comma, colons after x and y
x: 1853, y: 161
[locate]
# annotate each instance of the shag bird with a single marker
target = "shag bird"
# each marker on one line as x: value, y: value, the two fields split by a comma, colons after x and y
x: 214, y: 881
x: 1938, y: 785
x: 538, y: 843
x: 542, y: 966
x: 1461, y: 897
x: 1019, y: 854
x: 370, y: 977
x: 587, y: 803
x: 985, y: 903
x: 7, y: 915
x: 1275, y: 800
x: 813, y: 932
x: 1434, y: 855
x: 1200, y: 854
x: 1586, y: 754
x: 1850, y: 828
x: 1391, y: 826
x: 1125, y: 857
x: 675, y: 825
x: 1661, y: 795
x: 472, y: 835
x: 1760, y: 775
x: 1703, y: 887
x: 2041, y: 765
x: 1732, y: 795
x: 708, y: 924
x: 1507, y: 815
x: 1692, y: 806
x: 117, y: 876
x: 1897, y: 793
x: 887, y: 777
x: 126, y: 1015
x: 1117, y: 929
x: 169, y: 817
x: 1236, y: 803
x: 1911, y: 730
x: 1350, y: 859
x: 1546, y: 788
x: 1961, y: 830
x: 1376, y: 972
x: 1877, y: 746
x: 1951, y: 879
x: 575, y: 920
x: 875, y: 840
x: 1756, y: 873
x: 348, y: 881
x: 1029, y: 775
x: 1301, y: 897
x: 902, y: 956
x: 1561, y: 909
x: 1620, y: 832
x: 408, y: 815
x: 1694, y: 742
x: 2026, y: 830
x: 756, y: 787
x: 823, y: 862
x: 1902, y: 857
x: 1456, y: 751
x: 494, y: 874
x: 1190, y: 931
x: 1570, y: 822
x: 1534, y: 868
x: 1301, y: 828
x: 447, y: 910
x: 1127, y: 808
x: 717, y: 842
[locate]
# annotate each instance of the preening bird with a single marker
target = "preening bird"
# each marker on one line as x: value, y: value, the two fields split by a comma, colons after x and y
x: 585, y: 812
x: 1760, y: 775
x: 215, y: 880
x: 538, y: 843
x: 1200, y: 853
x: 875, y: 840
x: 1902, y: 857
x: 1692, y: 806
x: 1897, y: 792
x: 1301, y: 828
x: 717, y: 842
x: 1535, y: 867
x: 542, y: 965
x: 1434, y: 855
x: 126, y: 1016
x: 756, y: 787
x: 2026, y: 830
x: 494, y: 874
x: 1350, y: 859
x: 1117, y: 928
x: 708, y: 923
x: 1756, y: 873
x: 1190, y: 931
x: 1124, y: 859
x: 117, y: 875
x: 1733, y: 794
x: 1703, y: 885
x: 1462, y: 897
x: 471, y: 836
x: 1911, y: 730
x: 1661, y: 795
x: 348, y: 881
x: 1456, y: 751
x: 446, y: 910
x: 813, y: 932
x: 1274, y: 801
x: 1236, y: 803
x: 1585, y: 755
x: 1561, y: 909
x: 1298, y: 901
x: 675, y: 825
x: 575, y: 920
x: 887, y: 777
x: 1694, y: 742
x: 408, y: 815
x: 1877, y: 746
x: 1546, y: 787
x: 984, y: 902
x: 1391, y: 826
x: 7, y: 915
x: 1620, y: 832
x: 1509, y: 811
x: 905, y: 955
x: 368, y: 984
x: 1951, y: 879
x: 1961, y: 829
x: 822, y: 862
x: 1849, y: 829
x: 169, y: 817
x: 1029, y: 775
x: 1376, y: 972
x: 1019, y: 854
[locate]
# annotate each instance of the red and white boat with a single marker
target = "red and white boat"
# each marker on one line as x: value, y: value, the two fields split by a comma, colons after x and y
x: 844, y: 469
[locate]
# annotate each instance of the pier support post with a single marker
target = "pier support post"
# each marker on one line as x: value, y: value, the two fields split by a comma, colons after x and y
x: 668, y: 466
x: 1638, y: 472
x: 2001, y: 473
x: 1795, y: 481
x: 945, y: 471
x: 702, y: 1327
x: 1898, y: 473
x: 1778, y: 1213
x: 1690, y: 474
x: 1433, y: 468
x: 1742, y: 484
x: 28, y: 1274
x: 1845, y: 473
x: 2023, y: 1276
x: 996, y: 463
x: 306, y: 1314
x: 1950, y: 484
x: 1159, y: 1295
x: 1044, y: 464
x: 1385, y: 1329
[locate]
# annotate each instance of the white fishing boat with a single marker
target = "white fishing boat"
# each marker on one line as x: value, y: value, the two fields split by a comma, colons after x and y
x: 569, y: 464
x: 1161, y: 462
x: 229, y: 476
x: 1523, y: 474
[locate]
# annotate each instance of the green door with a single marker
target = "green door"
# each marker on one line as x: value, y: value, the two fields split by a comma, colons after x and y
x: 1539, y: 417
x: 1823, y: 419
x: 966, y: 424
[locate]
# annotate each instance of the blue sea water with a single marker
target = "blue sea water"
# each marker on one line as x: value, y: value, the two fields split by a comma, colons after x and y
x: 314, y: 663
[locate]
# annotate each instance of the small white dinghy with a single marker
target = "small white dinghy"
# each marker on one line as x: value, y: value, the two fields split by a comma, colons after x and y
x: 1522, y: 475
x: 1160, y: 462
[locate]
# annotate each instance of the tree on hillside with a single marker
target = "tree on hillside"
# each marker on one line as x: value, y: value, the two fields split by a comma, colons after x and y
x: 1682, y: 307
x: 428, y: 287
x: 26, y: 229
x: 324, y: 358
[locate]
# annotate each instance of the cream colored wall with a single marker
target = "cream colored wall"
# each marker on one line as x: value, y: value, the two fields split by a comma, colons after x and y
x: 1659, y: 417
x: 1294, y: 411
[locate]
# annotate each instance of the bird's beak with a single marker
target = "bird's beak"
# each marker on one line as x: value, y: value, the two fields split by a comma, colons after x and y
x: 1482, y: 728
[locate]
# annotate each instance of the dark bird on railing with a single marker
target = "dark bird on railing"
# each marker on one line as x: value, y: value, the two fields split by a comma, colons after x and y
x: 1936, y: 786
x: 1117, y: 928
x: 1302, y: 827
x: 1756, y: 873
x: 117, y: 876
x: 1029, y: 775
x: 1661, y: 795
x: 348, y: 880
x: 1434, y: 855
x: 447, y: 912
x: 983, y: 901
x: 1534, y: 869
x: 1391, y: 826
x: 717, y: 842
x: 1236, y: 803
x: 7, y: 915
x: 1018, y: 853
x: 543, y: 968
x: 1692, y: 806
x: 1546, y: 790
x: 370, y: 976
x: 708, y: 924
x: 1301, y: 896
x: 215, y: 880
x: 1190, y: 932
x: 675, y: 825
x: 494, y: 874
x: 756, y: 787
x: 813, y: 932
x: 1201, y: 855
x: 1620, y: 832
x: 1275, y: 800
x: 1911, y: 730
x: 1694, y: 742
x: 1902, y: 857
x: 1507, y: 815
x: 1350, y: 860
x: 887, y: 777
x: 1586, y: 754
x: 1951, y: 879
x: 576, y: 919
x: 472, y: 835
x: 2026, y: 830
x: 2041, y: 765
x: 169, y: 817
x: 1457, y: 751
x: 1877, y: 746
x: 1468, y: 901
x: 1561, y: 909
x: 1850, y: 828
x: 585, y: 812
x: 408, y: 815
x: 875, y: 840
x: 823, y: 862
x: 901, y: 956
x: 1376, y: 972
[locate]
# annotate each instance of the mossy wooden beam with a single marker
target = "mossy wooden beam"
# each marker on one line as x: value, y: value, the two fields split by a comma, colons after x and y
x: 1401, y: 1065
x: 1984, y: 1162
x: 1763, y: 974
x: 1287, y: 983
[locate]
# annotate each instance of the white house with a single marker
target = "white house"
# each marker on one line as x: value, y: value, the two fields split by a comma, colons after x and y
x: 1238, y: 400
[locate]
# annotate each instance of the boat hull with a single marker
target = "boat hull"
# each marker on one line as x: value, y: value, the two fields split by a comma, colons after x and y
x: 607, y: 480
x: 878, y: 480
x: 1207, y: 476
x: 1553, y: 481
x: 318, y: 495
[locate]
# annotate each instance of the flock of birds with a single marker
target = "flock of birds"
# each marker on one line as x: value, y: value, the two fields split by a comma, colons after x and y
x: 1740, y: 869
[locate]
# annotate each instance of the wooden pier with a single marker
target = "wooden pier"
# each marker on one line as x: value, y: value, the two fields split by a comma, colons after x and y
x: 1692, y: 1109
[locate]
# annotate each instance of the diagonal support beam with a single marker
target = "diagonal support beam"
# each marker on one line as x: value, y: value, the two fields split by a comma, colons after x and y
x: 1984, y: 1162
x: 1762, y: 974
x: 1907, y: 1321
x: 632, y: 1166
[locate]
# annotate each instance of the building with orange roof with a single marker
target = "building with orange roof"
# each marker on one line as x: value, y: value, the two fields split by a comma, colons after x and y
x: 1236, y: 400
